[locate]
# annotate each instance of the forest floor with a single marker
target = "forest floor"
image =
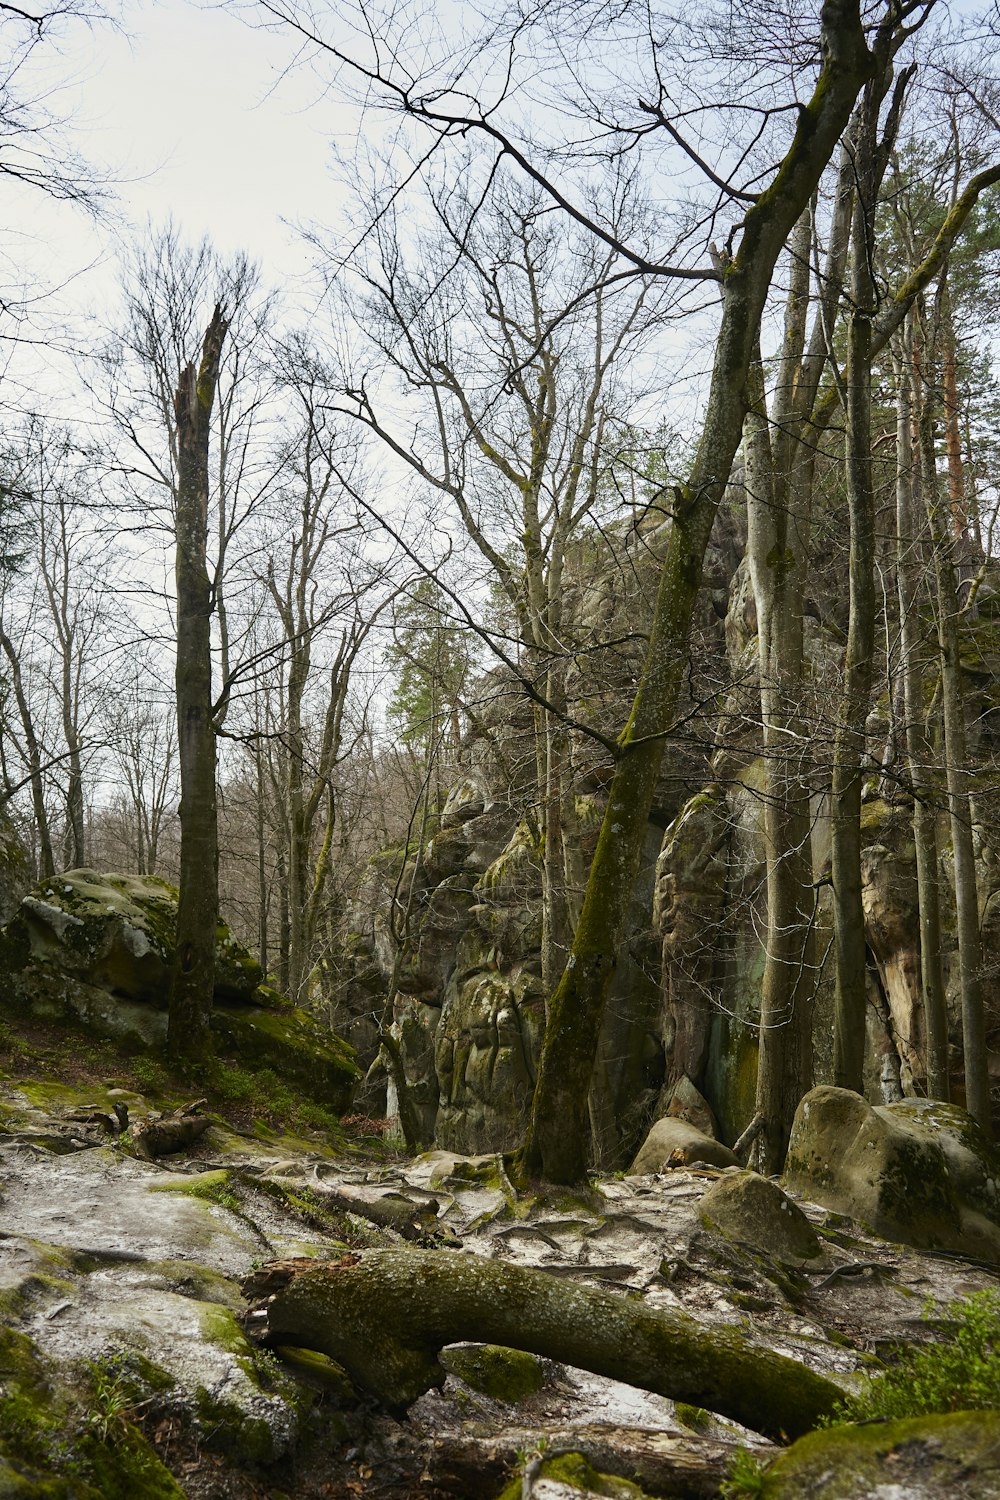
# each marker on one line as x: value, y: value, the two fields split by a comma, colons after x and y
x: 120, y: 1286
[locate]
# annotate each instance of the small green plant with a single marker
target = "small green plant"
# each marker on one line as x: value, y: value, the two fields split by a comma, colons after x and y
x: 150, y: 1075
x: 112, y: 1402
x: 745, y: 1478
x: 959, y: 1373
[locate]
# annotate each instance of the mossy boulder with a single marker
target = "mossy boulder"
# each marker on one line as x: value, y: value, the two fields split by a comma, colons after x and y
x: 754, y: 1212
x: 294, y: 1045
x: 918, y: 1173
x: 574, y: 1473
x: 920, y: 1458
x: 109, y: 932
x: 505, y: 1374
x: 675, y: 1143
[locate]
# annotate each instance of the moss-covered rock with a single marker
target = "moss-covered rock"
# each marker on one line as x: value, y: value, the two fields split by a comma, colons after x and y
x: 755, y: 1212
x: 921, y: 1458
x: 112, y: 933
x: 505, y: 1374
x: 575, y: 1472
x: 294, y: 1044
x: 922, y: 1175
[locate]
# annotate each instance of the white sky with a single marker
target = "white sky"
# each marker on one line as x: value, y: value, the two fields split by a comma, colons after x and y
x: 188, y: 112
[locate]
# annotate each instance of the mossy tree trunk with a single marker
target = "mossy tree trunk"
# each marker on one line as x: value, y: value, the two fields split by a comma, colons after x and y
x: 872, y: 152
x: 777, y: 550
x: 977, y: 1083
x: 385, y: 1315
x: 918, y: 750
x: 556, y: 1144
x: 193, y: 978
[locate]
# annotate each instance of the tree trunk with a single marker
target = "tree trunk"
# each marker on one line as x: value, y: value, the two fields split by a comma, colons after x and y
x: 871, y: 159
x: 977, y: 1083
x: 385, y: 1315
x: 849, y: 920
x: 193, y: 978
x: 777, y: 550
x: 46, y: 860
x: 917, y: 749
x: 556, y: 1142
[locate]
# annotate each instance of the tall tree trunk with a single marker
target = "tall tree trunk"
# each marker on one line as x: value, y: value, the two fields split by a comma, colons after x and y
x: 908, y: 574
x: 849, y: 921
x: 46, y: 859
x: 193, y: 977
x: 977, y: 1084
x: 556, y: 1143
x: 777, y: 544
x: 871, y: 159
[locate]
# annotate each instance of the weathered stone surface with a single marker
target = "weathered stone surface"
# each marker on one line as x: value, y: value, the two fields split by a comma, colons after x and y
x: 98, y: 949
x: 114, y: 933
x: 921, y: 1458
x: 675, y: 1143
x: 468, y: 798
x: 686, y: 1103
x: 922, y: 1174
x: 485, y: 1047
x: 755, y: 1212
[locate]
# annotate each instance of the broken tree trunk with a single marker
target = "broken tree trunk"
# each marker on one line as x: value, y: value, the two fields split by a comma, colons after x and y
x: 386, y: 1314
x: 178, y: 1131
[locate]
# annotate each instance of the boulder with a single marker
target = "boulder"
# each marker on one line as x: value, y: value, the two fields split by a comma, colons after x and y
x: 675, y: 1143
x: 755, y: 1212
x: 99, y: 948
x: 919, y: 1458
x: 113, y: 933
x: 686, y: 1103
x: 918, y: 1172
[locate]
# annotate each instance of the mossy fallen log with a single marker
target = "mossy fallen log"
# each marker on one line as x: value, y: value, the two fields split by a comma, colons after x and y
x: 386, y: 1314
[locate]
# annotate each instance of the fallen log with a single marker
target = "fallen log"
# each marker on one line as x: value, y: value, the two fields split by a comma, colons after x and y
x: 155, y: 1138
x: 384, y: 1315
x: 688, y: 1468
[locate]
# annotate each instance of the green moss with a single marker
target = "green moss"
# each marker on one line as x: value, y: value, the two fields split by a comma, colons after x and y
x: 229, y: 1430
x: 929, y: 1455
x: 210, y: 1187
x: 577, y: 1473
x: 695, y: 1418
x: 220, y: 1328
x: 295, y: 1046
x: 505, y: 1374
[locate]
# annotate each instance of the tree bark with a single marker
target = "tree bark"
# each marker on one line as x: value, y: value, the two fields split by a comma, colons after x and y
x: 871, y: 160
x: 193, y: 978
x: 385, y: 1315
x: 47, y: 864
x: 556, y: 1147
x: 777, y: 550
x: 977, y: 1083
x: 917, y: 748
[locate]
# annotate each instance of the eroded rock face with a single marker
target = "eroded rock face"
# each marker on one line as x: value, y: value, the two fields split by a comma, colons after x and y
x: 918, y: 1172
x: 99, y: 948
x: 115, y: 933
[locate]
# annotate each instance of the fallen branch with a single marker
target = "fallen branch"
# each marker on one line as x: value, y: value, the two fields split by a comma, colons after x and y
x: 386, y: 1314
x: 390, y: 1209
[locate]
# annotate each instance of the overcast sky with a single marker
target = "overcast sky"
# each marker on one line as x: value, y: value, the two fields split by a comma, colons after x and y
x: 187, y: 110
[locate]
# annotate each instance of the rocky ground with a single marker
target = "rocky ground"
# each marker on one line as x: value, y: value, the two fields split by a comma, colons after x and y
x: 128, y: 1369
